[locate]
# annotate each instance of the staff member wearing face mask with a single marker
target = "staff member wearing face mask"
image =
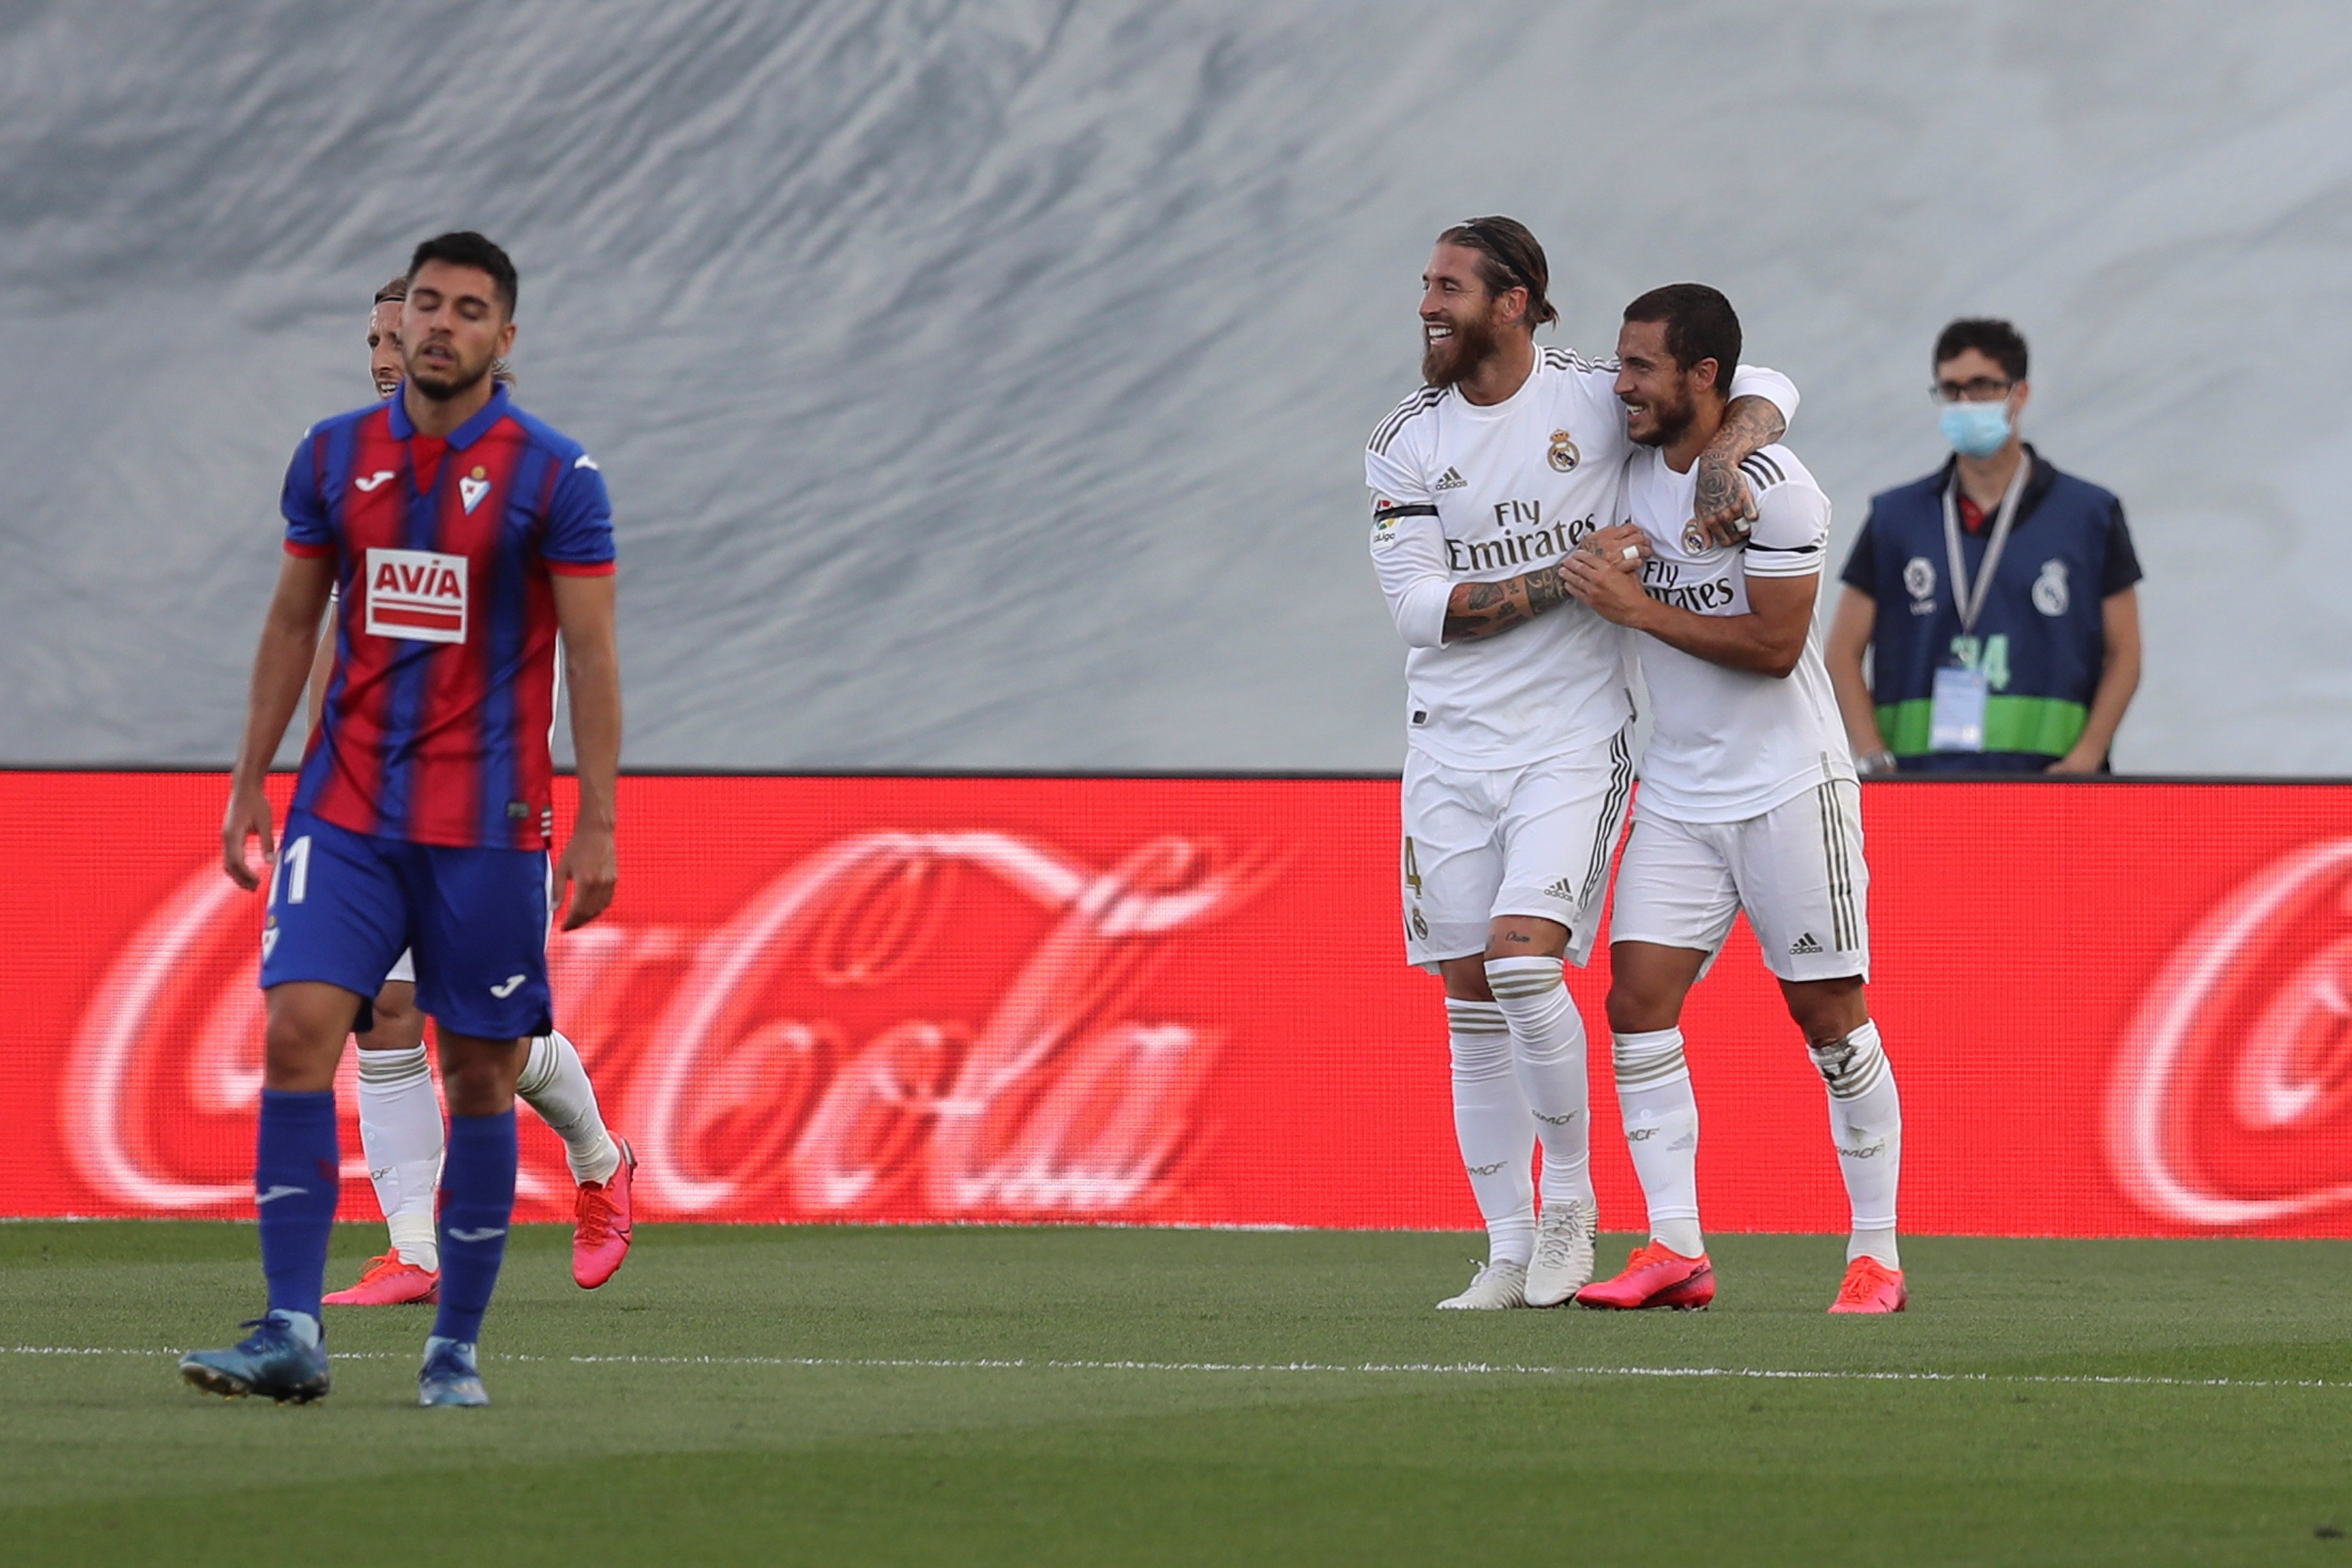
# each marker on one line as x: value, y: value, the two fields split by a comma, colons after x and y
x: 1995, y: 597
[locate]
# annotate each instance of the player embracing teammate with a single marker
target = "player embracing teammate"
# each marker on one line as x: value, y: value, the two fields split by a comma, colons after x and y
x: 1749, y: 802
x: 463, y: 536
x: 1506, y: 463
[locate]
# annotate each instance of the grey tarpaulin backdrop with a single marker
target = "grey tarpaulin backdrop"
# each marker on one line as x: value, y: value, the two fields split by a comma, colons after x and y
x: 984, y: 384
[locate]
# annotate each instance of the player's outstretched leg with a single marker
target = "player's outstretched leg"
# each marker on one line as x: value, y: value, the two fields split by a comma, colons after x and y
x: 1654, y: 1092
x: 296, y: 1179
x: 400, y: 1133
x: 554, y: 1083
x: 1497, y: 1137
x: 1548, y: 1038
x: 1866, y: 1123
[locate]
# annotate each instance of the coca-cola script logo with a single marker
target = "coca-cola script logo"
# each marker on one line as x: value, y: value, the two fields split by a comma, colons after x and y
x: 2232, y: 1104
x: 901, y: 1024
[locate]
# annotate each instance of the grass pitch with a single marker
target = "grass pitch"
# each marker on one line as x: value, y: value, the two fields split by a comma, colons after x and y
x: 1083, y: 1396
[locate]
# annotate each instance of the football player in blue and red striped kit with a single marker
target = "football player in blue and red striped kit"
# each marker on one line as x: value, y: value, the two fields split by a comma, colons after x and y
x: 464, y: 535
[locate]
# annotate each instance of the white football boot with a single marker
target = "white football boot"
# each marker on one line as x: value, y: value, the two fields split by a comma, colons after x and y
x: 1563, y: 1261
x: 1495, y: 1288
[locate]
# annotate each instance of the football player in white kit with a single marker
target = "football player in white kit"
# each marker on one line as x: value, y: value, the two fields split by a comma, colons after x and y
x: 1749, y: 802
x: 1519, y: 767
x: 399, y: 1116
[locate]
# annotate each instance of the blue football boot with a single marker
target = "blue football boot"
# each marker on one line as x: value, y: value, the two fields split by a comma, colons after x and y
x: 277, y: 1359
x: 448, y: 1376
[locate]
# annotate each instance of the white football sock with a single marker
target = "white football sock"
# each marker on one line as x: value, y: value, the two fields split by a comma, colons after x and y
x: 1654, y: 1092
x: 1866, y: 1123
x: 400, y: 1133
x: 1492, y: 1123
x: 555, y: 1084
x: 1550, y: 1038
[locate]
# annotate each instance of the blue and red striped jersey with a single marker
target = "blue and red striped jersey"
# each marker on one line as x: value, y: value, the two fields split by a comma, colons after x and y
x: 437, y: 713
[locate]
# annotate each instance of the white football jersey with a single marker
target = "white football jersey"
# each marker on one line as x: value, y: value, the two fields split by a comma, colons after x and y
x: 1730, y: 744
x: 1467, y: 494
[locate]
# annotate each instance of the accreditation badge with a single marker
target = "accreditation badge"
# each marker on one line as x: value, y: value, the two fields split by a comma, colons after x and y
x: 1956, y: 723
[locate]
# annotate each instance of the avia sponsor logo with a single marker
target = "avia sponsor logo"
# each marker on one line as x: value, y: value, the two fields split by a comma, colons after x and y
x: 793, y: 1055
x: 418, y: 596
x: 1521, y: 536
x: 2231, y: 1103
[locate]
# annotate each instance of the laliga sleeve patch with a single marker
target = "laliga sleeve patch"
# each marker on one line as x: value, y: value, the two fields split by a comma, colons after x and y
x: 418, y: 596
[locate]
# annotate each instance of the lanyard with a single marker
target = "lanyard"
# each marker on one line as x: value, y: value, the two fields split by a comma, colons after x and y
x: 1971, y: 605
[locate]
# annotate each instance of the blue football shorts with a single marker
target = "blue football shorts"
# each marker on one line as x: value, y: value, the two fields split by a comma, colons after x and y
x: 342, y: 905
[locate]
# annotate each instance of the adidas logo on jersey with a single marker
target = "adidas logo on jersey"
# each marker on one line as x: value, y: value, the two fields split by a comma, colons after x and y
x: 1803, y: 946
x: 1451, y: 481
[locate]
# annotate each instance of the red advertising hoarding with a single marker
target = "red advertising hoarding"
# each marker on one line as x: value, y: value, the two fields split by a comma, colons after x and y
x: 2115, y: 1010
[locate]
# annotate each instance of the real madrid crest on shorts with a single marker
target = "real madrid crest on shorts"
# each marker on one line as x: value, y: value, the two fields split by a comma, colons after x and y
x: 1563, y: 454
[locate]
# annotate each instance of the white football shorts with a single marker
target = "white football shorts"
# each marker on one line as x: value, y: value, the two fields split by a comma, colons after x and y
x: 1484, y: 842
x: 1797, y: 870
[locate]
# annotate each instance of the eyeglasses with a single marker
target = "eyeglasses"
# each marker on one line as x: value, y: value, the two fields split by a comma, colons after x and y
x: 1983, y: 389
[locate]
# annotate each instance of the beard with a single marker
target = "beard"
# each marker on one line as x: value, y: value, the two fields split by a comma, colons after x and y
x: 1673, y: 421
x: 458, y: 381
x: 1454, y: 359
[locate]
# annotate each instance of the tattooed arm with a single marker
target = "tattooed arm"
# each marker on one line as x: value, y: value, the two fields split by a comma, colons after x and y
x: 1721, y: 503
x: 1482, y: 609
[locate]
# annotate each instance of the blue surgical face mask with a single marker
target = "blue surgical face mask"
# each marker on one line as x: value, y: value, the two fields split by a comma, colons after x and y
x: 1976, y: 429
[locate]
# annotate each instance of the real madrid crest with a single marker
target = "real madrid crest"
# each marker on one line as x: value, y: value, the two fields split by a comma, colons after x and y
x: 1563, y: 453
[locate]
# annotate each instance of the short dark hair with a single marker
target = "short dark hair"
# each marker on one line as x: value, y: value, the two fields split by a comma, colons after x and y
x: 1990, y: 336
x: 464, y: 248
x: 393, y: 291
x: 1700, y: 325
x: 1509, y: 258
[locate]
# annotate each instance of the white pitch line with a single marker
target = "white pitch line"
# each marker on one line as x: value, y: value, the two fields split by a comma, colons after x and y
x: 1406, y: 1369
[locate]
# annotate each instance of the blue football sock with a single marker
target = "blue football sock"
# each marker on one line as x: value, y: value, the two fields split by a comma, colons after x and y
x: 297, y: 1180
x: 478, y: 1187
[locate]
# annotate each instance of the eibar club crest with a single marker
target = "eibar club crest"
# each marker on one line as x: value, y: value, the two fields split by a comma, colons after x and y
x: 1563, y: 455
x: 474, y: 487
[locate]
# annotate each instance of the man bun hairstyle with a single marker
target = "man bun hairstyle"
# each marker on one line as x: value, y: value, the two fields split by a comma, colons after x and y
x: 1700, y: 325
x: 1990, y: 336
x: 464, y: 248
x: 1508, y: 258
